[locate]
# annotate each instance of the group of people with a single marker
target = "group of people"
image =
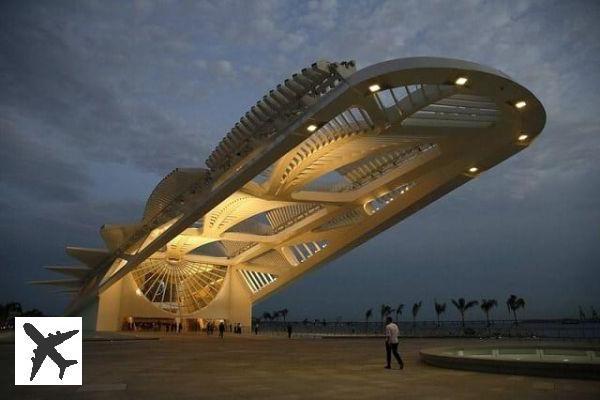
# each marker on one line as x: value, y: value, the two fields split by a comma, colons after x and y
x: 391, y: 334
x: 210, y: 327
x: 234, y: 328
x: 160, y: 325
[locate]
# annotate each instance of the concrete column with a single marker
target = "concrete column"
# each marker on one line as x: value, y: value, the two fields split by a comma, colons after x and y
x: 109, y: 306
x: 89, y: 316
x: 240, y: 304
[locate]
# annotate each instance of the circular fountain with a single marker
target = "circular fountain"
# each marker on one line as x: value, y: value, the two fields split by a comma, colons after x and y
x: 553, y: 360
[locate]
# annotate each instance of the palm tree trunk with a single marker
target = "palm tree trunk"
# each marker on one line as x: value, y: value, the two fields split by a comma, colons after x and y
x: 515, y: 315
x: 438, y: 318
x: 462, y: 315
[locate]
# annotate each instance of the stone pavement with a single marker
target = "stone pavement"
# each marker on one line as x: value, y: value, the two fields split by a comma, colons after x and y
x: 247, y: 367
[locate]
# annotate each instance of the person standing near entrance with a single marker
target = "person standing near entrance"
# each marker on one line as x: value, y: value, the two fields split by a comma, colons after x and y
x: 221, y: 329
x: 391, y: 343
x: 130, y: 323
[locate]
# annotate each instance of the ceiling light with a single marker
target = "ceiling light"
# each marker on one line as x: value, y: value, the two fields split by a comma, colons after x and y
x: 520, y: 104
x: 522, y: 137
x: 374, y: 88
x: 311, y: 128
x: 461, y: 81
x: 473, y: 169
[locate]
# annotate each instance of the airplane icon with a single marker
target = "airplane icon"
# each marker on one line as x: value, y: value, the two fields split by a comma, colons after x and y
x: 46, y: 347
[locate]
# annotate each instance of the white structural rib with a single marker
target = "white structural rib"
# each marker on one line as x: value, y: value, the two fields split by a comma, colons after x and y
x: 76, y: 272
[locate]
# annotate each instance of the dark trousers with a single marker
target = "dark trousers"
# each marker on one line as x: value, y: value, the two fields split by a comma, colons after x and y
x: 392, y: 348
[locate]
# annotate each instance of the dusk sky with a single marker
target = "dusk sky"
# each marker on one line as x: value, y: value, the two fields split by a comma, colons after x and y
x: 99, y: 100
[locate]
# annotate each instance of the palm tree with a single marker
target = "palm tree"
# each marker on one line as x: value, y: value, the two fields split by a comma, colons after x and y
x: 462, y: 306
x: 34, y: 312
x: 284, y: 313
x: 399, y: 311
x: 10, y: 311
x: 368, y: 315
x: 267, y: 316
x: 275, y: 315
x: 439, y: 309
x: 13, y: 309
x: 385, y: 310
x: 415, y: 310
x: 486, y: 306
x: 514, y: 303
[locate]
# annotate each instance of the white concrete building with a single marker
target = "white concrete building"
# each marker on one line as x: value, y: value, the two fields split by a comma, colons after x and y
x: 325, y: 161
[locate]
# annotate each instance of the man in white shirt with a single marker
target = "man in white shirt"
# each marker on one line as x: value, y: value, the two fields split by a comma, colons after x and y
x: 391, y: 343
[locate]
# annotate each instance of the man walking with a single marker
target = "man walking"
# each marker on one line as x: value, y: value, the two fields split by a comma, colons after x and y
x: 221, y: 329
x: 391, y: 343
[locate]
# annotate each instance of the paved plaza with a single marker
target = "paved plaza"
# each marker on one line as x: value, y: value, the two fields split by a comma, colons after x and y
x: 249, y: 367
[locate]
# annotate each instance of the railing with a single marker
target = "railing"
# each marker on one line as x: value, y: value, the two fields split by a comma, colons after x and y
x: 552, y: 329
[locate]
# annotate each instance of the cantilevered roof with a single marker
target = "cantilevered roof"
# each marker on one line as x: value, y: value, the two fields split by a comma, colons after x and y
x: 323, y: 162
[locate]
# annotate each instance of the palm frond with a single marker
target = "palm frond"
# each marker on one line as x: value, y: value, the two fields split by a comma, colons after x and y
x: 399, y: 308
x: 510, y: 302
x: 471, y: 304
x: 439, y: 307
x: 416, y: 307
x: 488, y: 304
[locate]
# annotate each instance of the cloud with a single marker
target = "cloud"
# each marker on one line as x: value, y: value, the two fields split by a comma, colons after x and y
x: 99, y: 101
x: 222, y: 68
x: 36, y: 168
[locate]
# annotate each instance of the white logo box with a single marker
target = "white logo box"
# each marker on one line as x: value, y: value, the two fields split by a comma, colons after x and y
x: 45, y: 331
